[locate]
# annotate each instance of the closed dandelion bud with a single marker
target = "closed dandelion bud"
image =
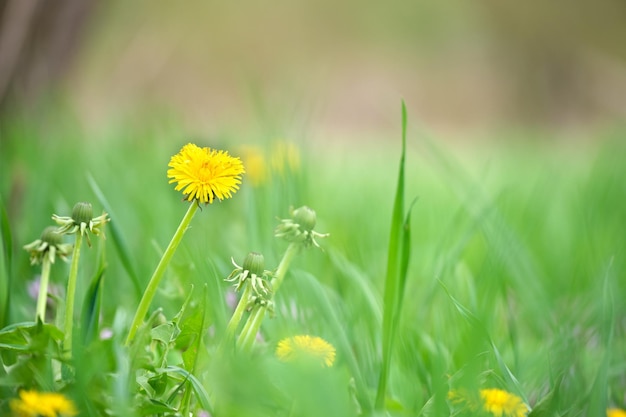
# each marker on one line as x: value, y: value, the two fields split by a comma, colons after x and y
x: 255, y: 263
x: 299, y: 228
x: 82, y: 213
x: 305, y: 217
x: 82, y: 221
x: 51, y: 236
x: 49, y: 245
x: 252, y: 271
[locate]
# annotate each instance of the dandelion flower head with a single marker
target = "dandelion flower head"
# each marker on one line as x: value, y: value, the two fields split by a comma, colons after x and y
x: 204, y: 174
x: 615, y: 412
x: 257, y: 169
x: 285, y: 158
x: 501, y: 403
x: 45, y: 404
x: 305, y: 347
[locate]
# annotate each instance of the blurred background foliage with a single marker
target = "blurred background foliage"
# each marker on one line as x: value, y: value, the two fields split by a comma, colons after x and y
x: 332, y: 69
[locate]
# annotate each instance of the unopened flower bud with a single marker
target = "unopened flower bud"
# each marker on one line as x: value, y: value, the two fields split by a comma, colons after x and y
x: 255, y: 263
x: 305, y: 217
x: 51, y: 236
x: 82, y: 213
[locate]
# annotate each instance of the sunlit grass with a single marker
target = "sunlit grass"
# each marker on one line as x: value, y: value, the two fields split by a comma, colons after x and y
x: 515, y: 279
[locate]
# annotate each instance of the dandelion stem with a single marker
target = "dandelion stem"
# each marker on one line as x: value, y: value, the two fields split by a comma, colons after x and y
x: 252, y: 326
x: 42, y: 298
x: 148, y: 294
x: 71, y: 294
x: 291, y: 251
x: 231, y: 328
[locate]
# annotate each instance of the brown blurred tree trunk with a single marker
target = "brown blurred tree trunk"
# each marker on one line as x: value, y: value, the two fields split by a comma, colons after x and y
x: 37, y: 41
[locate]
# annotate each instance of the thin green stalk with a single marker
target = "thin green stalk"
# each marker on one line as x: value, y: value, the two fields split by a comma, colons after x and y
x: 291, y: 251
x: 43, y: 289
x: 71, y: 294
x: 148, y: 294
x: 252, y: 326
x: 231, y: 328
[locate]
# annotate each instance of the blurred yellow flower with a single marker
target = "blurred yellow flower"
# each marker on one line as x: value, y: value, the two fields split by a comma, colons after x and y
x: 42, y: 404
x: 305, y: 347
x: 495, y: 401
x: 502, y: 403
x: 285, y: 157
x: 204, y: 173
x: 257, y: 171
x: 615, y: 412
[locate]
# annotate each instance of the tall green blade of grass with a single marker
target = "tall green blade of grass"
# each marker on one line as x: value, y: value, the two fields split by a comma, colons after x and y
x: 5, y: 263
x: 395, y: 279
x: 117, y: 237
x: 91, y: 306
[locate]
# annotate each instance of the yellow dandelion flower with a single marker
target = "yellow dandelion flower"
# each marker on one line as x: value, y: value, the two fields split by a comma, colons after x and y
x: 615, y: 412
x: 501, y: 403
x: 44, y: 404
x: 204, y: 173
x: 305, y: 347
x: 285, y: 158
x: 257, y: 171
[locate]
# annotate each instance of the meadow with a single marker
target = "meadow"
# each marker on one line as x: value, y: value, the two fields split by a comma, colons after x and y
x: 467, y: 279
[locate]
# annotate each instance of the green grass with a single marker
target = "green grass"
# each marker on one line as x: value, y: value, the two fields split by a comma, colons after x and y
x: 516, y: 275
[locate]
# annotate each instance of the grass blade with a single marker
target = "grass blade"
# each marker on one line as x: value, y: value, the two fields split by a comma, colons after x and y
x: 6, y: 248
x: 91, y: 306
x: 201, y: 394
x: 117, y: 237
x: 397, y: 266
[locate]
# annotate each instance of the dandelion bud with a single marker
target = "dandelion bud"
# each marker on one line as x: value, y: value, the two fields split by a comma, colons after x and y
x: 305, y: 217
x: 51, y: 236
x: 255, y: 263
x: 82, y: 213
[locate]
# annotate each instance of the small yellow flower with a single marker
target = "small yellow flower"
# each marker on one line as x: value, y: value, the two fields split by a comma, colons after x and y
x: 44, y: 404
x: 257, y: 172
x: 306, y: 347
x: 502, y: 403
x: 204, y: 173
x: 615, y: 412
x: 285, y: 158
x: 494, y: 401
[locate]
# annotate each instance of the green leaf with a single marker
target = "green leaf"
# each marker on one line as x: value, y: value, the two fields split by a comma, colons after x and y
x: 192, y: 329
x: 397, y: 266
x: 29, y: 337
x: 201, y: 394
x: 91, y: 306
